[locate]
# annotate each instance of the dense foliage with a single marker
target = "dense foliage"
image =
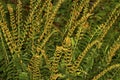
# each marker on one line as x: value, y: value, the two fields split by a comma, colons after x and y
x: 59, y: 39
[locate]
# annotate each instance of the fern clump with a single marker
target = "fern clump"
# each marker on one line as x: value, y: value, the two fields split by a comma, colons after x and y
x: 59, y: 40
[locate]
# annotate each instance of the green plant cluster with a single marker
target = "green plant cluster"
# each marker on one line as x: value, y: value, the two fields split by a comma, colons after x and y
x: 59, y: 40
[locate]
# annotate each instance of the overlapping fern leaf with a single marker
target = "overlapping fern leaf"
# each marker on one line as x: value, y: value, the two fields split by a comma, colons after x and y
x: 41, y: 43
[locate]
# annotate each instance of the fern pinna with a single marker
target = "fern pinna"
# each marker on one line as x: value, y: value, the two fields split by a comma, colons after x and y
x: 59, y: 40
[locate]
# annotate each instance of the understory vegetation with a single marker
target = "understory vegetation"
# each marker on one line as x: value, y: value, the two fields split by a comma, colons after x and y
x: 59, y: 39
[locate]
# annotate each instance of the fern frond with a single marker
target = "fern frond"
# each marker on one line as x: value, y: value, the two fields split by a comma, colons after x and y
x: 4, y: 49
x: 8, y: 37
x: 39, y: 52
x: 113, y: 49
x: 47, y: 38
x: 11, y: 71
x: 94, y: 5
x: 83, y: 26
x: 67, y: 50
x: 40, y: 47
x: 34, y: 4
x: 34, y: 67
x: 110, y: 21
x: 14, y: 27
x: 55, y: 62
x: 55, y: 76
x: 20, y: 23
x: 43, y: 15
x: 12, y: 21
x: 3, y: 13
x: 48, y: 5
x: 6, y: 31
x: 73, y: 23
x: 31, y: 24
x: 4, y: 58
x: 81, y: 22
x: 48, y: 23
x: 16, y: 32
x: 105, y: 71
x: 82, y: 55
x: 70, y: 21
